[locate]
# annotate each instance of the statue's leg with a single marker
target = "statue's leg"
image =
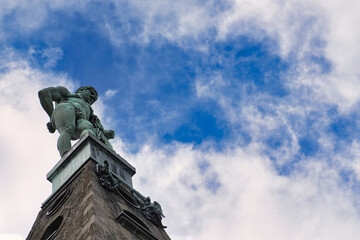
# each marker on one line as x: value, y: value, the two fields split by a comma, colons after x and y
x: 84, y: 126
x: 65, y: 120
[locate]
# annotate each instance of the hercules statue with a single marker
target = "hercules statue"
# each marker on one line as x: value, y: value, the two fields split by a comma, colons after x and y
x: 73, y: 115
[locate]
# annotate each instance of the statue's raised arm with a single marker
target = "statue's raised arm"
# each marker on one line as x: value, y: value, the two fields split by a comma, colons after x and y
x: 72, y: 115
x: 52, y: 94
x: 49, y: 95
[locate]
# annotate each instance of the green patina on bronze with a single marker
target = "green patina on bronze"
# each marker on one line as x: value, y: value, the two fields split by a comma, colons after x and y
x: 72, y: 115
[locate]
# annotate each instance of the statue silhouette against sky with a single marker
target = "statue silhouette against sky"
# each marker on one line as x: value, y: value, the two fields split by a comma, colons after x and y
x: 73, y: 115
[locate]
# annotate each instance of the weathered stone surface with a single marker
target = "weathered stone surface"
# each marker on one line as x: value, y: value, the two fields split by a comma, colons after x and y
x: 90, y: 212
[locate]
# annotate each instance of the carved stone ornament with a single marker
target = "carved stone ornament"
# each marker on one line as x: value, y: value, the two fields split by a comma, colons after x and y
x: 107, y: 179
x: 153, y: 212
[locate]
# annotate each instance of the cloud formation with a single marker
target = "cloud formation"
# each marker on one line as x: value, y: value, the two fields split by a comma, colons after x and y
x: 240, y: 117
x: 26, y: 154
x: 253, y: 202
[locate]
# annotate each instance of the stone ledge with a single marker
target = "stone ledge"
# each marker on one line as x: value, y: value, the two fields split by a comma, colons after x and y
x: 135, y: 227
x: 89, y: 147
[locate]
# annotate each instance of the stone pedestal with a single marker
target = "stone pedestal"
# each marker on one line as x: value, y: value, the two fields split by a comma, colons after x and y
x: 83, y: 205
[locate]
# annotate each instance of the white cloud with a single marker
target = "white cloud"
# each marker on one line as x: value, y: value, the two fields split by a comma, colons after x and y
x: 298, y: 26
x: 105, y: 113
x: 52, y: 56
x: 169, y: 19
x: 27, y: 16
x: 253, y: 202
x: 11, y: 237
x: 110, y: 93
x: 300, y: 29
x: 28, y: 150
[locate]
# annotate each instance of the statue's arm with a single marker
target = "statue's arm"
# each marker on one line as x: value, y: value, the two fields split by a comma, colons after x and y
x: 52, y: 94
x: 109, y: 134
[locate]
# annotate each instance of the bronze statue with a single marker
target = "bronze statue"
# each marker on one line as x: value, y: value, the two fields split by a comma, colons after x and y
x: 73, y: 115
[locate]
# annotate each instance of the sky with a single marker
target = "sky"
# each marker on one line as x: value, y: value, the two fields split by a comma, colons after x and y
x: 240, y: 117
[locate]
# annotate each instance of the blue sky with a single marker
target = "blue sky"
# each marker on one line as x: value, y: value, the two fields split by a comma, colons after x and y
x: 250, y: 104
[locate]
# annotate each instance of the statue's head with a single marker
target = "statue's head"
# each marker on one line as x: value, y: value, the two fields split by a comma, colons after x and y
x: 88, y: 93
